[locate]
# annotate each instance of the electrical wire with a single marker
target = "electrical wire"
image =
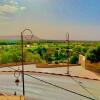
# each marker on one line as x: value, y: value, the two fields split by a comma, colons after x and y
x: 80, y: 84
x: 59, y: 86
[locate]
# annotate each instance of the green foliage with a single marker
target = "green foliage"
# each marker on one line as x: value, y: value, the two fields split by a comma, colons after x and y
x: 93, y: 54
x: 49, y: 57
x: 5, y: 58
x: 37, y: 59
x: 42, y: 51
x: 74, y: 59
x: 47, y: 51
x: 8, y: 42
x: 10, y: 55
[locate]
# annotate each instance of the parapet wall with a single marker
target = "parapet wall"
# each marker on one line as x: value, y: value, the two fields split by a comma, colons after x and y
x: 82, y: 60
x: 12, y: 98
x: 88, y: 65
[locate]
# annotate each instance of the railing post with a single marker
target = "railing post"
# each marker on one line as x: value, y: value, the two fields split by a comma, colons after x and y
x: 67, y: 39
x: 22, y: 64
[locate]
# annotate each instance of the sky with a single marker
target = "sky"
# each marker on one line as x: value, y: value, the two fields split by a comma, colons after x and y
x: 51, y: 19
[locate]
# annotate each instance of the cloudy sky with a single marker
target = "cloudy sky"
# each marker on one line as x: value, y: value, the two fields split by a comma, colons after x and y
x: 51, y: 19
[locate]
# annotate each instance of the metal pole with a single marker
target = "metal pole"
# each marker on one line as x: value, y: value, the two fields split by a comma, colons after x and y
x: 22, y: 64
x: 67, y: 39
x: 22, y: 46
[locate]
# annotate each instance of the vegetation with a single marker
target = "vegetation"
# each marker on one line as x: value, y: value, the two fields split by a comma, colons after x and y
x: 48, y: 51
x: 93, y: 54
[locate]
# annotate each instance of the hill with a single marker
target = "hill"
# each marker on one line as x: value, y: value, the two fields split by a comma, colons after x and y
x: 18, y: 37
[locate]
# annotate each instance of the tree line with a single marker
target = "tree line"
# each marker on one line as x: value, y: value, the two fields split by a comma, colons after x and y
x: 48, y: 51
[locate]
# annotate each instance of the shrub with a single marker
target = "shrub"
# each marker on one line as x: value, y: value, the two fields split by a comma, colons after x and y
x: 74, y: 59
x: 93, y: 54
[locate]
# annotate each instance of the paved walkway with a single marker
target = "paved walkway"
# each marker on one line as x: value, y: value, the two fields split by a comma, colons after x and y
x: 74, y: 70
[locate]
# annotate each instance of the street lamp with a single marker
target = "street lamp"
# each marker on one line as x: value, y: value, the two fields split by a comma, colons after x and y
x: 67, y: 39
x: 22, y: 46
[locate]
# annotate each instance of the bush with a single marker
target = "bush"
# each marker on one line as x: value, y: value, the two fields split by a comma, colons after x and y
x: 93, y: 55
x: 74, y: 59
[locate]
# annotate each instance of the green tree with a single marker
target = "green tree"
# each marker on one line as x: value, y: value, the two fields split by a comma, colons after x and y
x: 49, y: 57
x: 74, y: 59
x: 93, y: 54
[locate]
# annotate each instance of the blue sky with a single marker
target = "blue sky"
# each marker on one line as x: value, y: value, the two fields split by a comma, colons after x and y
x: 51, y: 19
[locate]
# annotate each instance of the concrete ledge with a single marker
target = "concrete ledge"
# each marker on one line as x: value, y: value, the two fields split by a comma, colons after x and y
x: 12, y: 98
x: 77, y: 76
x: 37, y: 65
x: 15, y: 64
x: 54, y: 65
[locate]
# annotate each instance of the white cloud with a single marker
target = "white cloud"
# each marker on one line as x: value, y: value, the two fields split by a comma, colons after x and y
x: 10, y: 9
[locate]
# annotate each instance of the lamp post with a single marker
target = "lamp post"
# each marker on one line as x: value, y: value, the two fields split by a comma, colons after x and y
x: 22, y: 46
x: 67, y: 39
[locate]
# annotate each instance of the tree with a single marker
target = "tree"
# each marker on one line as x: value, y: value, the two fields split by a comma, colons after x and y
x: 42, y: 51
x: 10, y: 56
x: 93, y: 54
x: 74, y: 59
x: 49, y: 57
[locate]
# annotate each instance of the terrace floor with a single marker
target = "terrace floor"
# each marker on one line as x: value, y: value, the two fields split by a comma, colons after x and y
x: 73, y: 70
